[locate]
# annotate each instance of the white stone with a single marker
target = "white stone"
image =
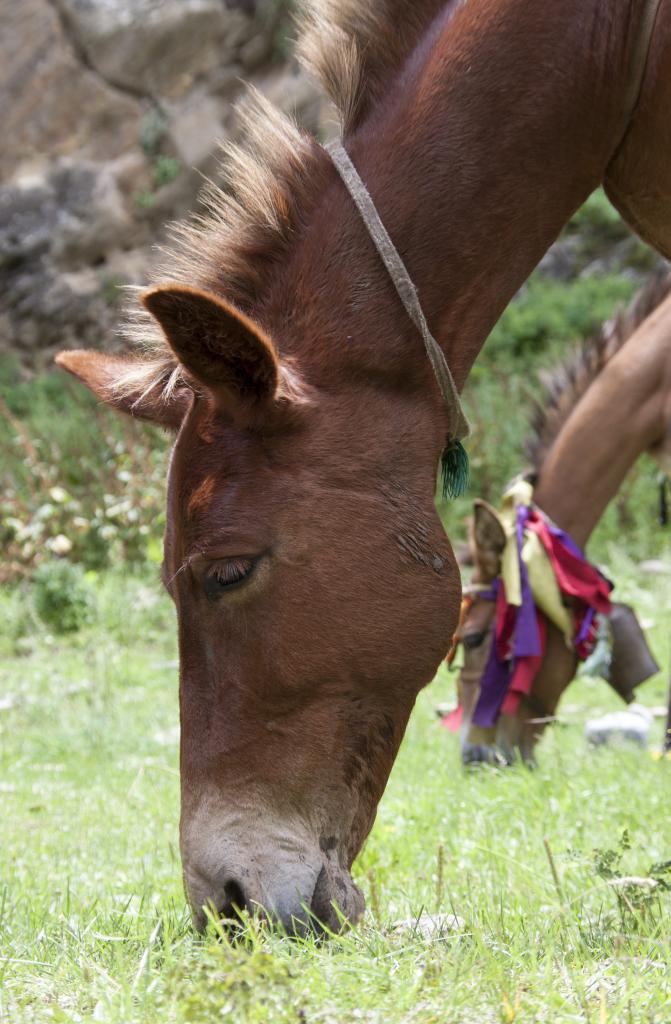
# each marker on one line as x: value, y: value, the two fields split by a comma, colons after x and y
x: 632, y: 725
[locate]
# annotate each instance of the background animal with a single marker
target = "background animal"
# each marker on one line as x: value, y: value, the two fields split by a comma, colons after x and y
x: 605, y: 405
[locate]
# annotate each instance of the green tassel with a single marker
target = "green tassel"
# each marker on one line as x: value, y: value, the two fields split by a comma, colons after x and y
x: 454, y: 469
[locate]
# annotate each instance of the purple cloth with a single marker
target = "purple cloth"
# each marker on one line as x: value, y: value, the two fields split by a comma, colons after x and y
x: 494, y: 685
x: 566, y: 539
x: 585, y: 627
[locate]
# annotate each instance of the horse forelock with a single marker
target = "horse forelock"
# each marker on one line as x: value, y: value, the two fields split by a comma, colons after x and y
x: 566, y: 384
x: 244, y: 225
x: 248, y: 221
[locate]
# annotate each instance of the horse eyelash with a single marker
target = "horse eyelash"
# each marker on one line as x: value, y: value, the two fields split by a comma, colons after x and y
x: 232, y: 570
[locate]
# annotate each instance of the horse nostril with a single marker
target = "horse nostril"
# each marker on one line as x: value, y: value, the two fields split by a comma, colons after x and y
x: 234, y: 901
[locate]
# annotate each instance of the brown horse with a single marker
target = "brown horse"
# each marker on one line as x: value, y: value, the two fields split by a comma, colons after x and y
x: 606, y: 405
x: 316, y: 591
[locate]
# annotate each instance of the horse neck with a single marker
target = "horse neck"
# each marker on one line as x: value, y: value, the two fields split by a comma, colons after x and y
x: 625, y: 412
x: 501, y: 123
x: 491, y: 138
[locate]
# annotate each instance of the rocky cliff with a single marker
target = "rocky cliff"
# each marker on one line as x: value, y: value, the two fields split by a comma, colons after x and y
x: 111, y: 114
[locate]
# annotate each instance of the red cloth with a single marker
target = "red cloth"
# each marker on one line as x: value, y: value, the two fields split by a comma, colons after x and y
x: 525, y: 672
x: 452, y: 720
x: 575, y: 576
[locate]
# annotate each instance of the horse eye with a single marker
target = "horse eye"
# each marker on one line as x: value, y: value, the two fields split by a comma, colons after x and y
x: 473, y: 640
x: 226, y: 575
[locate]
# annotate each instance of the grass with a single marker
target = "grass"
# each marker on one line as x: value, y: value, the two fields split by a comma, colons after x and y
x: 93, y: 925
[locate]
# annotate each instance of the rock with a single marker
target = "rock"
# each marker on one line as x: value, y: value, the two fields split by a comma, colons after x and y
x: 429, y: 926
x: 51, y: 103
x: 112, y: 111
x: 655, y: 567
x: 293, y: 91
x: 255, y: 52
x: 73, y: 210
x: 632, y: 725
x: 195, y: 124
x: 633, y: 882
x: 155, y: 47
x: 58, y: 226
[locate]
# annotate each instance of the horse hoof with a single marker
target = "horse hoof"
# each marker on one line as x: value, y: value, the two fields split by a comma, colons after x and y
x: 480, y: 753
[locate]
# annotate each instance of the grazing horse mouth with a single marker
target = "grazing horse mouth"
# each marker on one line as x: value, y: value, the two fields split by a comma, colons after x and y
x: 283, y: 874
x: 336, y: 903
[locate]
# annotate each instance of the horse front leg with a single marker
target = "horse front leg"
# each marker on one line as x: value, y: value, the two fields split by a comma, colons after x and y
x: 478, y: 743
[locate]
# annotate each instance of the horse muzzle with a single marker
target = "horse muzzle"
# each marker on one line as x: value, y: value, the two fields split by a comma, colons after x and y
x: 279, y: 873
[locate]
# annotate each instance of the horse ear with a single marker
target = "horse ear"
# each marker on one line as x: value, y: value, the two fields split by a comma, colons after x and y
x: 489, y: 538
x: 121, y: 383
x: 219, y: 346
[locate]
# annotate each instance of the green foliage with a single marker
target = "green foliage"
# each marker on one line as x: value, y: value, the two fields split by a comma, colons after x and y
x: 283, y: 13
x: 152, y: 130
x: 638, y: 896
x: 608, y: 862
x: 165, y: 167
x: 63, y: 598
x: 110, y: 288
x: 597, y: 265
x: 83, y: 482
x: 547, y: 312
x: 599, y: 216
x: 165, y: 170
x: 146, y: 199
x: 599, y: 241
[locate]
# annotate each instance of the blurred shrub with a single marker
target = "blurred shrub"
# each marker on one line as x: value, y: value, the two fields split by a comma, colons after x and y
x: 152, y: 131
x: 83, y: 482
x: 166, y: 169
x: 550, y: 311
x: 535, y: 332
x: 63, y: 598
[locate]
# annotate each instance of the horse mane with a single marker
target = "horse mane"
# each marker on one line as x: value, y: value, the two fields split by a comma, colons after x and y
x: 355, y: 46
x: 247, y: 222
x: 565, y: 385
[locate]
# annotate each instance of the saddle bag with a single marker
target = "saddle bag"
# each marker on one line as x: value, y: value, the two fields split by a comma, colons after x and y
x: 631, y: 661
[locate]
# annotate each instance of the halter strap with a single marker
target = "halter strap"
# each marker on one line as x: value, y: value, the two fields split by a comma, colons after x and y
x: 458, y: 424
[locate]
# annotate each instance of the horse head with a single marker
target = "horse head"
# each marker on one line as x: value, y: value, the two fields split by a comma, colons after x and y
x: 315, y: 592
